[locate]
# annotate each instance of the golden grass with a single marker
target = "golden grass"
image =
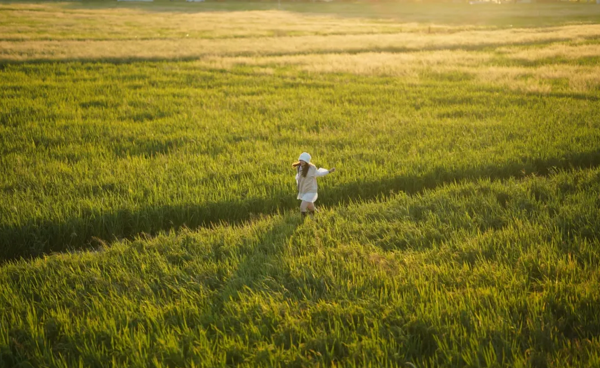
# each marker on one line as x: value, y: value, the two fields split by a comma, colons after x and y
x: 60, y: 23
x: 558, y: 50
x: 377, y: 63
x: 272, y: 39
x: 412, y: 66
x: 272, y: 46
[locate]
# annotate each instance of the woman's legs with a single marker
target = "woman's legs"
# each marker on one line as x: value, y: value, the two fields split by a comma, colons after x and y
x: 304, y: 206
x: 307, y: 207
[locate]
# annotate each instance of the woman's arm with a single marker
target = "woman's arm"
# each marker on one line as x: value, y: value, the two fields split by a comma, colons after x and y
x: 323, y: 172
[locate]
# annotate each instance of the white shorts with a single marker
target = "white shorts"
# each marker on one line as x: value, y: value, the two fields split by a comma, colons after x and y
x: 308, y: 197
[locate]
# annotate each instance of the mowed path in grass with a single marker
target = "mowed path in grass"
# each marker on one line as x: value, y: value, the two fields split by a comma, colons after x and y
x: 459, y: 230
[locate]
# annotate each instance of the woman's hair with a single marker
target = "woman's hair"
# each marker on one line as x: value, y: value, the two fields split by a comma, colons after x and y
x: 304, y: 169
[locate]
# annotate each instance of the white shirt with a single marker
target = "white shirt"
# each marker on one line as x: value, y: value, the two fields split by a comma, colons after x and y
x: 310, y: 197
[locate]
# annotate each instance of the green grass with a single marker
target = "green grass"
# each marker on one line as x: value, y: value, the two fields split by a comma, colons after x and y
x: 482, y: 273
x: 97, y: 150
x: 147, y: 201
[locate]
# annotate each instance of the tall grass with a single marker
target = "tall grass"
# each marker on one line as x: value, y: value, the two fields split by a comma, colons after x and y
x: 109, y: 150
x: 481, y: 273
x: 134, y: 48
x: 145, y: 177
x: 100, y: 150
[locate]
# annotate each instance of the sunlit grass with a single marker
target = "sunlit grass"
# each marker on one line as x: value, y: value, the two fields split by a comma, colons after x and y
x: 274, y: 46
x: 145, y: 176
x: 60, y: 24
x: 517, y: 68
x: 500, y: 273
x: 113, y: 150
x: 527, y: 59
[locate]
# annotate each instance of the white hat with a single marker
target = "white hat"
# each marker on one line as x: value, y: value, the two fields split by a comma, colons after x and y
x: 304, y: 157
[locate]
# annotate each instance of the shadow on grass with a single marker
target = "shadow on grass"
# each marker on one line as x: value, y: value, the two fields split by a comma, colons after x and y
x: 34, y: 239
x: 254, y: 270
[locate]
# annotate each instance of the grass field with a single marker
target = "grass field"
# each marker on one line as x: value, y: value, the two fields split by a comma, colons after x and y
x: 147, y: 202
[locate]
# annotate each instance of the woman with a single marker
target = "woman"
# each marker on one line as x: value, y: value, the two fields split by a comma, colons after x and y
x: 306, y: 178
